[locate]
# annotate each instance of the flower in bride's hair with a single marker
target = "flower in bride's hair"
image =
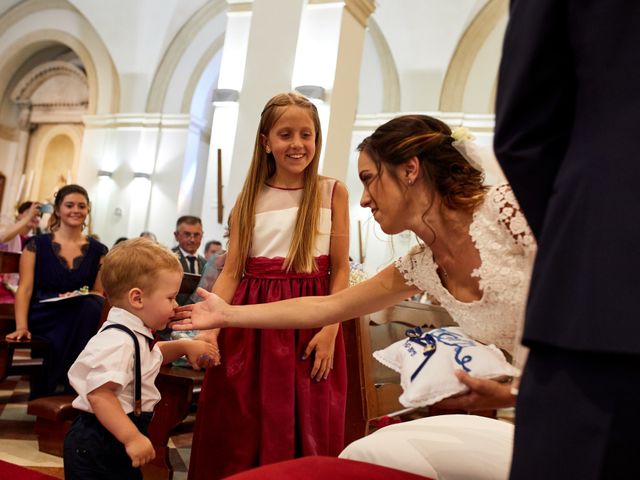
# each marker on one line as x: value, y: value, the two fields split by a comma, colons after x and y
x: 460, y: 134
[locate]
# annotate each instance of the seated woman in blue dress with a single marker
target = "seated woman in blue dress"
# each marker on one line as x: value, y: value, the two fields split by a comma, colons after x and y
x: 55, y: 265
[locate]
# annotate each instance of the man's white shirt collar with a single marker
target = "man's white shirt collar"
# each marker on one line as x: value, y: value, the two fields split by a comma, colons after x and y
x: 187, y: 254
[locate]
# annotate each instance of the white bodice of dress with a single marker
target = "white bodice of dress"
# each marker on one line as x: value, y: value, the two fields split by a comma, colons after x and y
x: 276, y: 213
x: 507, y: 250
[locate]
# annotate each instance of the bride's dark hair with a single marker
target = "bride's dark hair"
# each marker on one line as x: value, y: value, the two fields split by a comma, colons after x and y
x: 446, y: 171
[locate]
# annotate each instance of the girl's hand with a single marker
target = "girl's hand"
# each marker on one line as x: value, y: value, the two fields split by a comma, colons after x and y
x: 202, y: 354
x: 323, y: 343
x: 203, y: 315
x: 483, y: 394
x: 140, y: 450
x: 19, y: 334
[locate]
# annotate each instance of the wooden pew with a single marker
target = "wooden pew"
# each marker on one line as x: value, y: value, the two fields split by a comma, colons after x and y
x: 10, y: 364
x: 179, y: 387
x: 373, y: 389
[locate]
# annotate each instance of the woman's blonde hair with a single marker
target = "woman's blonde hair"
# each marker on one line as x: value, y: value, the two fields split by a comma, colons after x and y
x: 136, y: 263
x: 300, y: 256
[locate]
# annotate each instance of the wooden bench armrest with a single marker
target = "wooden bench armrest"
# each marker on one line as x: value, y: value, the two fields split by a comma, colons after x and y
x: 29, y: 344
x: 7, y: 349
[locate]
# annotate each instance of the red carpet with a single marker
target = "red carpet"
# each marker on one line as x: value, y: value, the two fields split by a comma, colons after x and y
x: 15, y: 472
x: 323, y: 468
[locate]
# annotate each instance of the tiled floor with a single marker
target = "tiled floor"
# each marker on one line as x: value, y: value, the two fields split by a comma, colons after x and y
x: 19, y: 445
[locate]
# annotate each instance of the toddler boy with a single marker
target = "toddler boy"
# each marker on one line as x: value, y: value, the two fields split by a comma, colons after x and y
x: 115, y: 373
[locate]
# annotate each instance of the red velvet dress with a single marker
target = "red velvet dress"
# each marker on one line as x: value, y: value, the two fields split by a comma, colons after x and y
x: 261, y: 405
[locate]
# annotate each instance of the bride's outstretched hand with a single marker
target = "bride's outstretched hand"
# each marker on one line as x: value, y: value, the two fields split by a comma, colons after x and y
x: 203, y: 315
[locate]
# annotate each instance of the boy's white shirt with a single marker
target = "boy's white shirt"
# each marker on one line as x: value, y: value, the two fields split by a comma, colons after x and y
x: 109, y: 357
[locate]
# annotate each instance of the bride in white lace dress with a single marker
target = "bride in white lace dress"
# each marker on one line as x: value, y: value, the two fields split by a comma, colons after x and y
x: 475, y: 261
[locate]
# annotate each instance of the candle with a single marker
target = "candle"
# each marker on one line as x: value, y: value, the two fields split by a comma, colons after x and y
x: 20, y: 188
x: 29, y: 185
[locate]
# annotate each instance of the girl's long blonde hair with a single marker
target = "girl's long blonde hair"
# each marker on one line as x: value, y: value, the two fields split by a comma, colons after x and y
x: 300, y: 256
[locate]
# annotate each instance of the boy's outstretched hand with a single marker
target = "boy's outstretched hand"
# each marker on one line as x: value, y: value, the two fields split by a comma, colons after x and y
x: 202, y: 354
x: 203, y: 315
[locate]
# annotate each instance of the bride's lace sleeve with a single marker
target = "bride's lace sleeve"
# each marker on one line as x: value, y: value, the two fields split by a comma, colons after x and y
x: 413, y: 267
x: 511, y: 216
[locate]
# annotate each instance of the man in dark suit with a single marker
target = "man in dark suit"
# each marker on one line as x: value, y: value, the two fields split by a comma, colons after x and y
x: 567, y: 139
x: 188, y: 234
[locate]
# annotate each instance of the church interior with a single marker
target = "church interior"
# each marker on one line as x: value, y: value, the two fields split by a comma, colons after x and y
x: 152, y: 106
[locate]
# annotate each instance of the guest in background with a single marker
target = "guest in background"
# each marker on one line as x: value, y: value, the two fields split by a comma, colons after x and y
x: 210, y: 274
x: 12, y: 239
x: 119, y: 240
x: 54, y: 265
x: 212, y: 270
x: 211, y: 247
x: 150, y: 235
x: 188, y: 234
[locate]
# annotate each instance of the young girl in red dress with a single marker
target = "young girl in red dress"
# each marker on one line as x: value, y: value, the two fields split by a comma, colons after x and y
x: 278, y: 394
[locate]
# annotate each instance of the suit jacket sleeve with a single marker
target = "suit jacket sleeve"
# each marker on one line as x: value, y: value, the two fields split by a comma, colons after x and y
x: 535, y: 102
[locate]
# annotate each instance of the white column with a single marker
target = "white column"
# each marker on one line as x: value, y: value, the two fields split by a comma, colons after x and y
x: 271, y: 54
x: 329, y: 55
x: 257, y: 60
x: 316, y: 44
x: 225, y: 115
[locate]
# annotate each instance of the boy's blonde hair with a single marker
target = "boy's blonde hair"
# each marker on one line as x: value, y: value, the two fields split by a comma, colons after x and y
x: 300, y: 257
x: 136, y: 263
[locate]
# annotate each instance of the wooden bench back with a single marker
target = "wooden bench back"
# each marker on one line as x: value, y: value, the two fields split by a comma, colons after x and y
x: 373, y: 388
x: 10, y: 263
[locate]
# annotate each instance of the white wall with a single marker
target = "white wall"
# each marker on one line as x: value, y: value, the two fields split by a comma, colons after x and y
x: 136, y: 38
x: 136, y: 33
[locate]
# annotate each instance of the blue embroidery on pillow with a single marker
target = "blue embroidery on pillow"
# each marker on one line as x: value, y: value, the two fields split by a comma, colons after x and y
x: 454, y: 340
x: 423, y: 339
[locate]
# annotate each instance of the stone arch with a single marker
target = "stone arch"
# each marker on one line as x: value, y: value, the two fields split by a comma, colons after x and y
x: 54, y: 85
x: 199, y: 70
x: 390, y: 77
x: 474, y: 38
x: 57, y: 160
x: 20, y: 40
x: 163, y: 85
x: 40, y: 158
